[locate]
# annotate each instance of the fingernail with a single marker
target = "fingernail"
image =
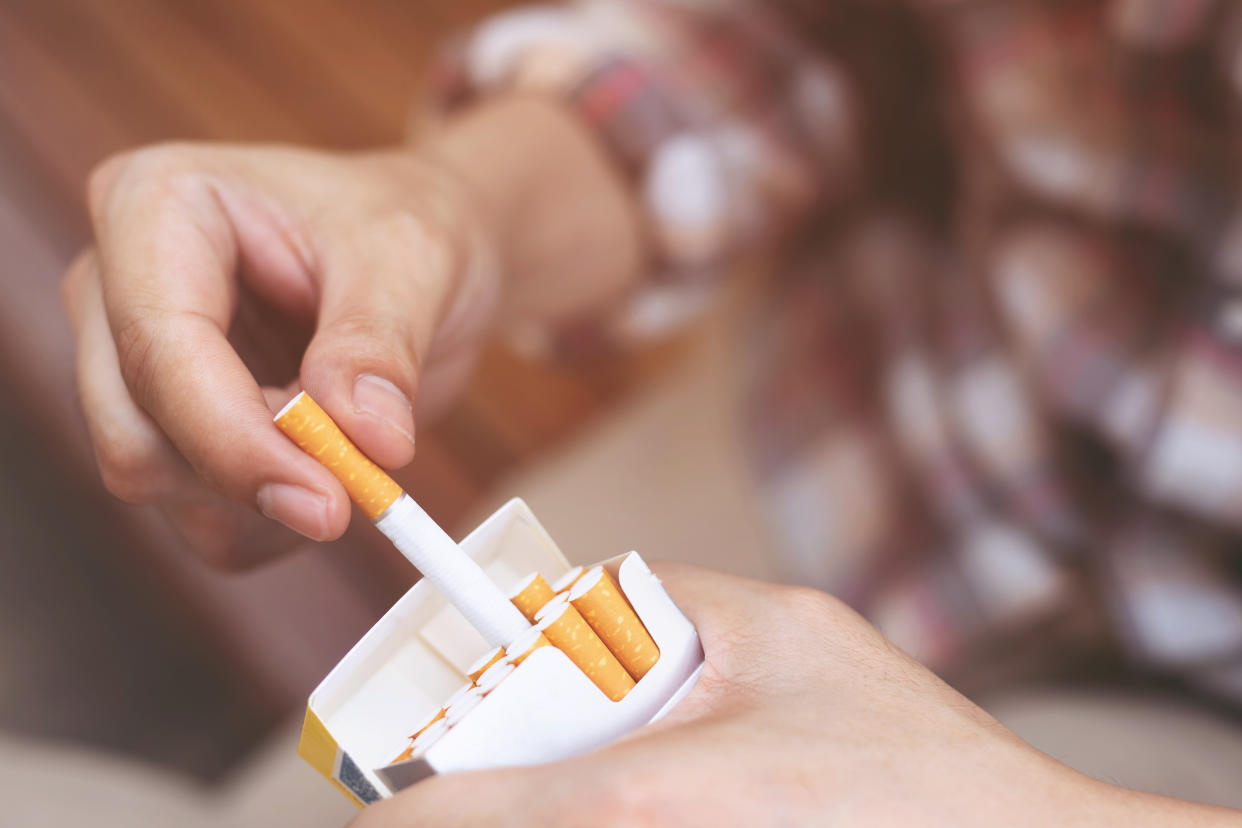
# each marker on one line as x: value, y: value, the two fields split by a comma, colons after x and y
x: 300, y: 509
x: 379, y: 398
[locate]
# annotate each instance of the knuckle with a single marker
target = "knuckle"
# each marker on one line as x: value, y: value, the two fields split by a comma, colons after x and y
x: 102, y: 178
x: 216, y: 532
x: 411, y: 226
x: 167, y: 166
x: 224, y: 553
x: 375, y: 337
x: 128, y: 468
x: 433, y: 240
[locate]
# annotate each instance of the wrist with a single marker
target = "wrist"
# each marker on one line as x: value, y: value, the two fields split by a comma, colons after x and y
x: 548, y: 200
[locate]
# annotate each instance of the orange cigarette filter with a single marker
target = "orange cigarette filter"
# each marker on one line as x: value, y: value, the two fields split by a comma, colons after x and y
x: 310, y: 427
x: 531, y: 593
x: 567, y: 631
x: 439, y: 715
x: 409, y: 751
x: 425, y: 739
x: 484, y: 661
x: 458, y: 709
x: 599, y: 600
x: 526, y: 644
x: 490, y: 680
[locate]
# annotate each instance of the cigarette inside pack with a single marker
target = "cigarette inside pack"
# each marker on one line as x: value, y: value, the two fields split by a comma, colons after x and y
x: 590, y: 621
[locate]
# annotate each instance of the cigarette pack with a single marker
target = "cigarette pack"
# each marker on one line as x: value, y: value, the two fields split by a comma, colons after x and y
x: 395, y: 679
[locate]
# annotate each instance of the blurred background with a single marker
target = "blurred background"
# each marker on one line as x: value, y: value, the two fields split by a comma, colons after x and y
x: 140, y: 687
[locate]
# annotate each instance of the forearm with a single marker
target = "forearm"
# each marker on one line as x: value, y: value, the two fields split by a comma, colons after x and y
x: 554, y: 208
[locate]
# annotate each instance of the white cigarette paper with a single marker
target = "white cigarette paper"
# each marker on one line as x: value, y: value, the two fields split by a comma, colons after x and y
x: 463, y: 706
x: 483, y: 662
x: 567, y: 580
x: 459, y: 579
x: 494, y: 676
x: 458, y: 694
x: 428, y: 737
x: 552, y: 606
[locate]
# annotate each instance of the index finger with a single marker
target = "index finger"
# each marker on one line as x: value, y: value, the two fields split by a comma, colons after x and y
x: 168, y: 256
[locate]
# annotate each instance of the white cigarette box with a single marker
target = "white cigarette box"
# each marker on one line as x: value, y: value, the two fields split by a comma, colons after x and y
x: 397, y: 676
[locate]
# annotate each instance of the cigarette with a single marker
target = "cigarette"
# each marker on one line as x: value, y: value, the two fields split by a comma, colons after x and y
x: 420, y: 741
x: 524, y: 645
x: 567, y: 580
x: 437, y: 717
x: 428, y: 737
x: 565, y: 628
x: 486, y: 660
x: 462, y: 581
x: 598, y: 598
x: 458, y: 709
x: 554, y: 602
x: 458, y: 694
x: 494, y: 676
x: 530, y: 593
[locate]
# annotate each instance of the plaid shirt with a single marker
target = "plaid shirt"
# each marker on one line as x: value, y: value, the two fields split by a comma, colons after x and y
x: 996, y: 397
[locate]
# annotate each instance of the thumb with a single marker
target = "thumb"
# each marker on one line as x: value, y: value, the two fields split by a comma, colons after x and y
x: 384, y: 289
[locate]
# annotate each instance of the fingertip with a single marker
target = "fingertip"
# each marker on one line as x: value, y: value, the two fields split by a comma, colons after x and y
x: 305, y: 497
x: 340, y: 509
x: 372, y: 410
x: 384, y: 419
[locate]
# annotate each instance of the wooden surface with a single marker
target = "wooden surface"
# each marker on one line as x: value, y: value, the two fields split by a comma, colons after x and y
x: 81, y: 79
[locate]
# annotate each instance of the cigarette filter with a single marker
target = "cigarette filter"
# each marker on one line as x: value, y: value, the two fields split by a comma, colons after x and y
x: 552, y: 606
x: 566, y: 630
x: 437, y: 717
x: 524, y: 645
x: 458, y: 694
x: 428, y: 737
x: 598, y: 598
x: 486, y: 660
x: 462, y: 706
x: 567, y: 580
x: 530, y: 593
x: 462, y: 581
x: 436, y: 727
x: 494, y: 676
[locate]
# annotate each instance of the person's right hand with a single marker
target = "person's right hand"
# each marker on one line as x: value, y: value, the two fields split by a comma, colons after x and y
x: 213, y: 265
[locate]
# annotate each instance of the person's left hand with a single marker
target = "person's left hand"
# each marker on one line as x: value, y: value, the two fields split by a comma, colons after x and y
x: 804, y: 714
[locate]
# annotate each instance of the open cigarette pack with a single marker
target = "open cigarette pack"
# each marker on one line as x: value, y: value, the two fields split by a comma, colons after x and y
x: 424, y: 670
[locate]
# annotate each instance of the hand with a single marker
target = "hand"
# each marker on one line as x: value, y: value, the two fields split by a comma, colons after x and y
x: 213, y: 266
x: 224, y: 278
x: 804, y: 715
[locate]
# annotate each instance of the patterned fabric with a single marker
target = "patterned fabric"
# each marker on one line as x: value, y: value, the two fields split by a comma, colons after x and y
x: 996, y: 396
